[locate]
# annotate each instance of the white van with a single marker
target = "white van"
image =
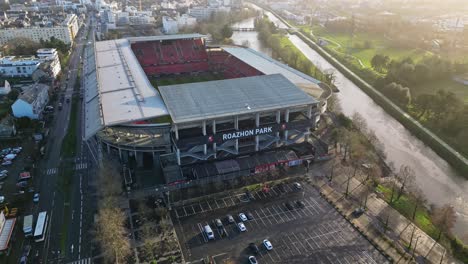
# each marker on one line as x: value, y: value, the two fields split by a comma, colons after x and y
x: 209, y: 233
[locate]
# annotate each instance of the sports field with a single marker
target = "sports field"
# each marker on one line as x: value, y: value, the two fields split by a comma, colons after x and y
x: 185, y: 78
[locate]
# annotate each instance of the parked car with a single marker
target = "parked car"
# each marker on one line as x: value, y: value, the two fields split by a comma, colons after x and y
x: 253, y: 260
x: 7, y: 163
x: 250, y: 216
x: 358, y: 212
x: 9, y: 157
x: 218, y: 223
x: 297, y: 186
x: 300, y: 204
x: 241, y: 226
x: 267, y: 244
x: 230, y: 219
x: 22, y: 184
x: 36, y: 198
x: 2, y: 199
x: 289, y: 206
x: 242, y: 217
x: 254, y: 248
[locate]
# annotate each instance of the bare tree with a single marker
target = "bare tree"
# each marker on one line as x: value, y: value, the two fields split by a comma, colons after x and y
x: 419, y: 199
x: 150, y: 245
x: 444, y: 218
x: 405, y: 177
x: 112, y: 236
x: 359, y: 122
x: 109, y: 179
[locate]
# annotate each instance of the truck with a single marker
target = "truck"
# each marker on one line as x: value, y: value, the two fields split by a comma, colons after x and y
x: 28, y: 225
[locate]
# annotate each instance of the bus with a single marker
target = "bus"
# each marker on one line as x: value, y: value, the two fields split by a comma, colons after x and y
x: 41, y: 227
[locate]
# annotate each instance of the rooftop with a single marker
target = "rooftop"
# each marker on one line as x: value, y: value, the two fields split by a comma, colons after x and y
x: 31, y: 93
x: 216, y: 99
x: 166, y: 37
x: 268, y: 65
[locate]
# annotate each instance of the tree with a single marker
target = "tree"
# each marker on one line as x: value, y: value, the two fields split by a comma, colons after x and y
x: 444, y: 218
x: 405, y: 177
x: 21, y: 46
x: 398, y: 94
x: 380, y: 62
x: 226, y: 31
x: 13, y: 95
x: 112, y: 235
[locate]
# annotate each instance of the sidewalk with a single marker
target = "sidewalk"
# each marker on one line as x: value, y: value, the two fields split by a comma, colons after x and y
x: 393, y: 242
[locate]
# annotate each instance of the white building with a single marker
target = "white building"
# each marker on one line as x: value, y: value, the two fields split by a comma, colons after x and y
x: 5, y: 89
x: 31, y: 102
x: 203, y: 13
x: 186, y: 21
x: 170, y: 25
x: 18, y: 66
x: 50, y: 56
x: 65, y: 32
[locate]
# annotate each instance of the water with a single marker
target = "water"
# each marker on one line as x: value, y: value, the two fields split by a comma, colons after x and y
x: 439, y: 182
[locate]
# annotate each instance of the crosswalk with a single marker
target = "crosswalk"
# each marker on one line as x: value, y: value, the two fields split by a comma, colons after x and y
x: 51, y: 171
x: 82, y: 261
x: 81, y: 166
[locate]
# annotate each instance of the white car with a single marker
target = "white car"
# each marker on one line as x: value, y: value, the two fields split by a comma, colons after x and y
x: 241, y: 226
x: 253, y: 260
x: 36, y: 198
x: 9, y: 157
x: 7, y: 163
x: 242, y: 217
x: 267, y: 244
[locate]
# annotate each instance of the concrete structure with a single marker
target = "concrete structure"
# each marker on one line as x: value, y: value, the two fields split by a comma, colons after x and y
x: 7, y: 127
x: 65, y: 32
x: 259, y: 106
x: 18, y: 66
x: 5, y: 89
x: 186, y: 21
x: 170, y: 25
x: 238, y: 116
x: 203, y: 13
x: 31, y: 102
x: 51, y: 57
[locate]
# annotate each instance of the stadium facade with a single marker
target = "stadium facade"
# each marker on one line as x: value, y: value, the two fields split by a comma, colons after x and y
x: 255, y: 103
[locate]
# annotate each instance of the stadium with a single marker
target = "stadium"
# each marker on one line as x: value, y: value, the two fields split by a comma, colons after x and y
x: 175, y: 103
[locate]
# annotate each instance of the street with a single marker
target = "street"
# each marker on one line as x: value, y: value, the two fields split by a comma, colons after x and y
x: 52, y: 197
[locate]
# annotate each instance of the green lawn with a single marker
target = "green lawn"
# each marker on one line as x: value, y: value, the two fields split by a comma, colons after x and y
x: 343, y: 43
x: 406, y: 206
x: 448, y: 85
x: 162, y: 81
x: 70, y: 140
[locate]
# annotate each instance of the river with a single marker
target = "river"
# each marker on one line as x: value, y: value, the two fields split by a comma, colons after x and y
x: 440, y: 183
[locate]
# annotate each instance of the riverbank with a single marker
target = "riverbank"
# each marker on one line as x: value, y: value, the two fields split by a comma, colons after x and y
x: 445, y: 151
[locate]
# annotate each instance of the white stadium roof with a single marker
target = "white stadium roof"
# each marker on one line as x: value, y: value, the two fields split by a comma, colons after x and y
x: 268, y: 65
x: 216, y: 99
x: 121, y: 92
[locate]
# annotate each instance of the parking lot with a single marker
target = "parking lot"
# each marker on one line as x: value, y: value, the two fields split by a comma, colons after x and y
x: 309, y: 233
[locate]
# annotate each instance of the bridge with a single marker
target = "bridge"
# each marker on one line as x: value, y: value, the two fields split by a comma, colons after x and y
x: 242, y: 29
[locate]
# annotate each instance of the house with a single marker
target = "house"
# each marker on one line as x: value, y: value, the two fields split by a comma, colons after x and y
x: 31, y: 102
x: 5, y: 89
x: 7, y: 127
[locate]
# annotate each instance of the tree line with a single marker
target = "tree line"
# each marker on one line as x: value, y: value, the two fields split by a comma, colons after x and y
x: 442, y: 111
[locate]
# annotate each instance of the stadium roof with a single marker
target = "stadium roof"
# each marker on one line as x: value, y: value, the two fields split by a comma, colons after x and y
x: 166, y: 37
x: 119, y: 91
x: 215, y: 99
x: 268, y: 65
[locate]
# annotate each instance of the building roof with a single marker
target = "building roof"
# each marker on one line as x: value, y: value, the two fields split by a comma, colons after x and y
x: 125, y: 93
x: 31, y: 94
x: 268, y: 65
x: 166, y: 37
x: 215, y: 99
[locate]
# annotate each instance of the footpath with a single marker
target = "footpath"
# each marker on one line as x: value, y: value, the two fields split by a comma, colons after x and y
x: 393, y: 234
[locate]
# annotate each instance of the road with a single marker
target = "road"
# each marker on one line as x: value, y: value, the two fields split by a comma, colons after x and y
x: 52, y: 197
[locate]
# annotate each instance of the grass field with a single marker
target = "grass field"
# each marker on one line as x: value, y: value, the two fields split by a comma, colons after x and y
x: 204, y: 77
x: 379, y: 45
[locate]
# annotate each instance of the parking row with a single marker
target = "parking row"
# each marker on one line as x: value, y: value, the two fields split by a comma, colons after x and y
x: 329, y: 242
x: 232, y: 200
x: 261, y: 218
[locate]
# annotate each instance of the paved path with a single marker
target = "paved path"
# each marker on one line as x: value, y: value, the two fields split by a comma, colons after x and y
x: 400, y: 232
